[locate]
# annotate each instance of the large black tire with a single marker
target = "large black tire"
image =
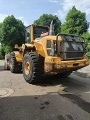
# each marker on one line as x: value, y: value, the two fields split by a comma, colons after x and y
x: 32, y: 67
x: 6, y: 66
x: 6, y: 63
x: 15, y: 67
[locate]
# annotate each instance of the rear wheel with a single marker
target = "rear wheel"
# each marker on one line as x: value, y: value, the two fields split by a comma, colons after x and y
x: 15, y: 66
x: 6, y: 66
x: 6, y: 63
x: 32, y: 70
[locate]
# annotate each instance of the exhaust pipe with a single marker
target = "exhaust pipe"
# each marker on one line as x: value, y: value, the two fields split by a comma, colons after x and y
x: 51, y: 32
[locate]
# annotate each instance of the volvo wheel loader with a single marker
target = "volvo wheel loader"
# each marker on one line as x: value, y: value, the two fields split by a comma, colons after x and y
x: 45, y: 52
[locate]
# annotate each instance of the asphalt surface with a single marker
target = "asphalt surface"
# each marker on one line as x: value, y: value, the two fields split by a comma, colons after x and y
x: 51, y: 99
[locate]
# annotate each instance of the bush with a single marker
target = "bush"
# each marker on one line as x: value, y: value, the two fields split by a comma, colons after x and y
x: 7, y: 49
x: 88, y: 54
x: 1, y: 57
x: 2, y: 53
x: 4, y: 50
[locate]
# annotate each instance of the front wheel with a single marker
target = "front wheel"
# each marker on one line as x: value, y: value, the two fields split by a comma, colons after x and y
x: 31, y: 67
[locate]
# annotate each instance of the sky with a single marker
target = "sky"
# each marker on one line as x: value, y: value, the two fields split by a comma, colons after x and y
x: 30, y: 10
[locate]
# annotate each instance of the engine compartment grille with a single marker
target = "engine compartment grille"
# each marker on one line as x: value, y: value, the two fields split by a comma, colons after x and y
x: 71, y: 47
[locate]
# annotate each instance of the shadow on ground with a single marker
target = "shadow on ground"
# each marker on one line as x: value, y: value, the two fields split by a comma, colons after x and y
x: 72, y: 84
x: 50, y: 106
x: 44, y: 107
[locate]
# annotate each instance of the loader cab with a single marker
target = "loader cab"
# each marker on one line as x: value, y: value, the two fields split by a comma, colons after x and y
x: 34, y: 31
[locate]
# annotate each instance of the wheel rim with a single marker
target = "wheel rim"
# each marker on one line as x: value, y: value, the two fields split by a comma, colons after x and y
x: 10, y: 63
x: 27, y: 68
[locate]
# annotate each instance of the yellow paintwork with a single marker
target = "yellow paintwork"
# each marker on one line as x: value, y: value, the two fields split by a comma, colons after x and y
x: 27, y: 68
x: 56, y: 65
x: 40, y: 49
x: 32, y: 33
x: 19, y: 56
x: 55, y: 62
x: 41, y: 45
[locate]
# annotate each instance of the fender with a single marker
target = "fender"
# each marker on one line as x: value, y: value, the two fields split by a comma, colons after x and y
x: 19, y: 56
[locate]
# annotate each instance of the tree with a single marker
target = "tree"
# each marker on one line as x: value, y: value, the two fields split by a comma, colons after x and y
x: 7, y: 49
x: 12, y: 32
x: 0, y: 31
x: 2, y: 53
x: 76, y: 22
x: 46, y: 19
x: 86, y: 37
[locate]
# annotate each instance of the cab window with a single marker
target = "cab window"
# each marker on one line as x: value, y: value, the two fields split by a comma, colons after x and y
x: 38, y: 30
x: 27, y: 35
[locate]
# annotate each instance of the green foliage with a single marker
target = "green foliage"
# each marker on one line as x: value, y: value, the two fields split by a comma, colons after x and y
x: 86, y: 37
x: 46, y: 19
x: 88, y: 54
x: 1, y: 57
x: 76, y: 22
x: 0, y: 31
x: 12, y: 31
x: 2, y: 53
x: 4, y: 50
x: 88, y: 47
x: 7, y: 49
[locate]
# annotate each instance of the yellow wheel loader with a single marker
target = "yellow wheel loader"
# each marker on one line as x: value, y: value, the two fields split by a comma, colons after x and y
x: 45, y: 52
